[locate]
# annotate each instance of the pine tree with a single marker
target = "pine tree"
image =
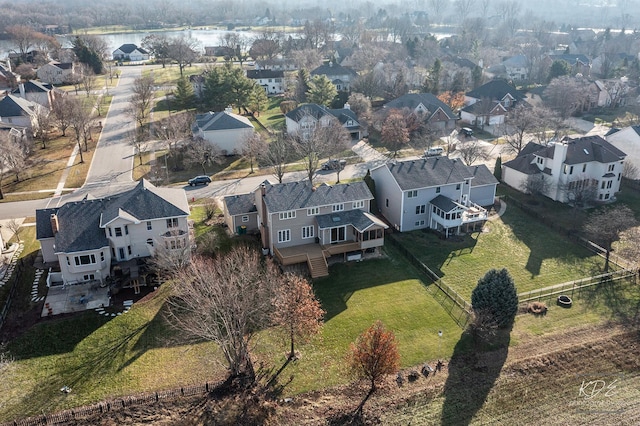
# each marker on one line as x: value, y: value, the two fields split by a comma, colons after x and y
x: 321, y: 90
x: 495, y: 299
x: 185, y: 95
x: 497, y: 169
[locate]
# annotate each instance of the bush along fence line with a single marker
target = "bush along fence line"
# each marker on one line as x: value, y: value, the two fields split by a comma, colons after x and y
x: 16, y: 276
x: 459, y: 309
x: 116, y: 404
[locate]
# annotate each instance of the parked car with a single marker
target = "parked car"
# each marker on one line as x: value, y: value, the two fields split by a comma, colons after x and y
x: 200, y: 180
x: 434, y: 151
x: 334, y: 165
x: 467, y: 131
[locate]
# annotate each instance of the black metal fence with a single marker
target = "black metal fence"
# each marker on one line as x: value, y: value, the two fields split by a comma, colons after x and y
x: 17, y: 276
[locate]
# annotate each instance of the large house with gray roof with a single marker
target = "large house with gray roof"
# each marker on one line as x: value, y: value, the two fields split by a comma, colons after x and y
x: 89, y: 238
x: 340, y: 76
x: 568, y: 170
x: 226, y: 130
x: 302, y: 120
x: 300, y: 223
x: 17, y: 111
x: 435, y: 112
x: 490, y: 103
x: 130, y: 52
x: 434, y: 193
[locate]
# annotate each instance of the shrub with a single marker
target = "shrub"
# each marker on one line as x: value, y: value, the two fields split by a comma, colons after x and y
x: 496, y: 298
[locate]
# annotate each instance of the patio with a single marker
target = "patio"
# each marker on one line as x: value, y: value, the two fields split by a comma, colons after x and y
x: 75, y: 298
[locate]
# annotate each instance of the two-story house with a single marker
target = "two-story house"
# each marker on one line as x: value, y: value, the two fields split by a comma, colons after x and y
x: 37, y: 92
x: 340, y: 76
x: 302, y: 120
x: 88, y: 238
x: 435, y: 112
x: 130, y: 52
x: 437, y: 193
x: 56, y: 72
x: 17, y: 111
x: 568, y: 168
x: 490, y: 103
x: 226, y: 130
x: 300, y: 223
x: 271, y: 81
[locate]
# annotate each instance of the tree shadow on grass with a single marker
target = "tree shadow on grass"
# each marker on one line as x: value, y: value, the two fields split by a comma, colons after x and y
x: 621, y: 297
x: 473, y: 370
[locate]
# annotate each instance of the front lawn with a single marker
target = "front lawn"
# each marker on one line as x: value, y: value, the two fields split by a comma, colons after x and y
x: 535, y: 256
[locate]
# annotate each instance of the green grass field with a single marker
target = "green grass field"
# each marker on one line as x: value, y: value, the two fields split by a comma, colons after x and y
x: 535, y: 256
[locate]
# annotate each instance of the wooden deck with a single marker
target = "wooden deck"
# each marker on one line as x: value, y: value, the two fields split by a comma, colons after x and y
x: 315, y: 255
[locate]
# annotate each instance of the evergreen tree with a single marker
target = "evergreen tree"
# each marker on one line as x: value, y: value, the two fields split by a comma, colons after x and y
x: 558, y: 69
x: 495, y: 299
x: 321, y: 90
x: 184, y: 95
x: 497, y: 169
x: 86, y: 55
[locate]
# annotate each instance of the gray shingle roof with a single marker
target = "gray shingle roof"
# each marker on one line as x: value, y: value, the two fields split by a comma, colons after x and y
x: 523, y: 164
x: 13, y: 106
x: 240, y: 204
x: 412, y: 100
x: 212, y: 121
x: 130, y: 47
x: 35, y: 87
x: 592, y: 148
x: 318, y: 111
x: 496, y: 90
x: 299, y: 195
x: 256, y: 74
x: 80, y: 222
x: 333, y: 69
x: 445, y: 204
x: 357, y: 218
x: 437, y: 171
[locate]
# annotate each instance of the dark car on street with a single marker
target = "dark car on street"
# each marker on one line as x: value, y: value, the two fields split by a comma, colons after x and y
x: 200, y: 180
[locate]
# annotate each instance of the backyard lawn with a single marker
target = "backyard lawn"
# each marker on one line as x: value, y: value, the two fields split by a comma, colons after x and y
x: 535, y: 256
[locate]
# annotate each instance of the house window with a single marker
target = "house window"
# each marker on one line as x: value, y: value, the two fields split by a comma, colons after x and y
x: 150, y: 242
x: 149, y: 226
x: 337, y: 207
x: 291, y: 214
x: 172, y: 223
x: 358, y: 204
x: 609, y: 184
x: 600, y: 197
x: 606, y: 196
x: 313, y: 211
x: 308, y: 232
x: 584, y: 168
x: 419, y: 223
x: 89, y: 277
x: 338, y: 234
x: 245, y: 218
x: 386, y: 202
x: 421, y: 209
x: 121, y: 252
x: 101, y: 256
x: 412, y: 194
x: 457, y: 186
x: 611, y: 167
x: 129, y: 250
x: 110, y: 234
x: 126, y: 229
x: 571, y: 170
x: 603, y: 184
x: 539, y: 160
x: 437, y: 190
x: 86, y: 259
x: 113, y: 252
x: 284, y: 235
x: 619, y: 176
x: 118, y: 232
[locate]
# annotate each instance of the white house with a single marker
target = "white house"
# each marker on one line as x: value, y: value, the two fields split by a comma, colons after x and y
x: 130, y: 52
x: 225, y: 129
x: 271, y: 81
x: 56, y: 72
x: 569, y: 170
x: 627, y: 140
x: 36, y: 92
x: 300, y: 223
x: 17, y: 111
x: 88, y: 238
x: 302, y: 120
x: 437, y: 193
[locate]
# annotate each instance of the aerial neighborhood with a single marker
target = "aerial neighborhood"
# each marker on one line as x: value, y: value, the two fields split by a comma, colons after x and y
x: 347, y: 214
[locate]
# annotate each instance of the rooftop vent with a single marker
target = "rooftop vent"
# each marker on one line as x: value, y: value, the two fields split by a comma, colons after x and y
x: 585, y: 151
x: 335, y: 218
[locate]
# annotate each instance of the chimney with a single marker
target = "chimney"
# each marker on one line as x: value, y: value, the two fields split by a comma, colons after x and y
x: 228, y: 110
x: 54, y: 224
x: 347, y: 106
x: 21, y: 86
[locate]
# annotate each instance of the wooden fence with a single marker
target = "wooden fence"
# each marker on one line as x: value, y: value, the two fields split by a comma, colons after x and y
x: 460, y: 309
x: 116, y: 404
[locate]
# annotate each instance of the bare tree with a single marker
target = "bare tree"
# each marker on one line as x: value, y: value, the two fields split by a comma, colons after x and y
x: 166, y: 261
x: 536, y: 185
x: 581, y: 191
x: 173, y: 130
x: 81, y: 121
x: 252, y: 146
x: 12, y: 157
x: 201, y: 152
x: 138, y: 141
x: 62, y: 108
x: 472, y: 151
x: 86, y: 78
x: 226, y: 300
x: 395, y: 134
x: 606, y: 224
x: 565, y: 95
x: 519, y: 124
x: 323, y: 140
x: 15, y: 227
x: 630, y: 170
x: 42, y: 123
x: 141, y: 99
x: 183, y: 50
x: 277, y: 154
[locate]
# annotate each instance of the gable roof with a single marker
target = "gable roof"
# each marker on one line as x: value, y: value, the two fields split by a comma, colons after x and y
x: 413, y: 100
x: 240, y: 204
x: 224, y: 120
x: 357, y: 218
x: 313, y: 110
x: 484, y: 106
x: 300, y: 195
x: 571, y: 59
x: 80, y: 223
x: 14, y: 106
x: 437, y: 171
x: 333, y: 69
x: 257, y: 74
x: 495, y: 90
x: 130, y: 47
x: 517, y: 61
x: 35, y: 87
